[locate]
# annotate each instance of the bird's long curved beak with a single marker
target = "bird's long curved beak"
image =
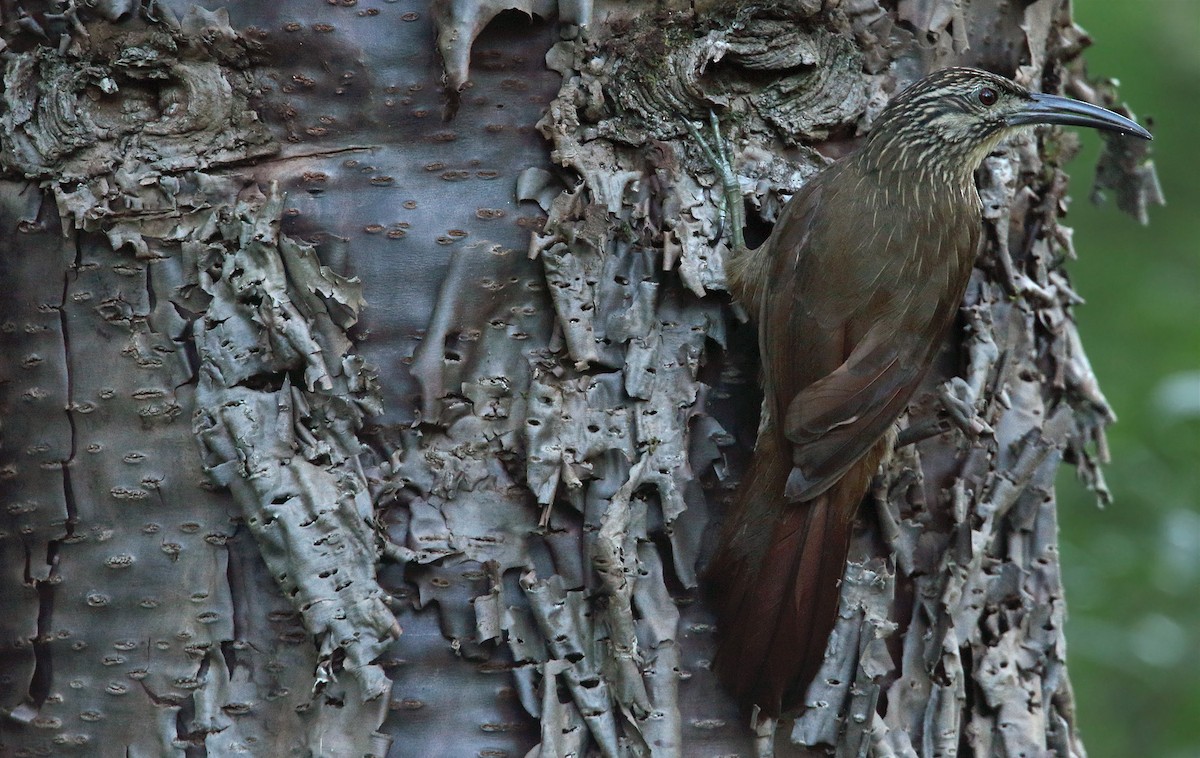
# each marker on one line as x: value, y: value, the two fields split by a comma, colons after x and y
x: 1052, y: 109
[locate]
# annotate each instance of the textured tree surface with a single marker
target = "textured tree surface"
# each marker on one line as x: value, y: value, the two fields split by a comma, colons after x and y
x: 369, y: 386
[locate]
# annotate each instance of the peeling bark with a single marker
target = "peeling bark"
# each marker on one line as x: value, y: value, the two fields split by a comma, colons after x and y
x: 217, y: 318
x: 294, y: 365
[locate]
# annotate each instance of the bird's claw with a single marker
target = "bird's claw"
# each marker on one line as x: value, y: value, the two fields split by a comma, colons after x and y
x: 720, y: 158
x: 958, y: 411
x: 958, y: 402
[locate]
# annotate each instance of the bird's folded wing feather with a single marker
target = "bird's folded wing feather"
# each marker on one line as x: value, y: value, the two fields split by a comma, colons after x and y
x: 751, y: 271
x: 834, y: 312
x: 836, y: 419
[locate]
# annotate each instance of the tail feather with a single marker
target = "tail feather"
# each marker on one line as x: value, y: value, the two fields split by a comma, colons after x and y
x: 775, y: 578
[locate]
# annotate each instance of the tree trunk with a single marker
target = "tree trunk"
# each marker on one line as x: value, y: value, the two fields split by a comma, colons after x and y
x: 339, y: 418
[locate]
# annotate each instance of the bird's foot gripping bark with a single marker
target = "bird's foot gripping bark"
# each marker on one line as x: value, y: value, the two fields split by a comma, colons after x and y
x: 960, y: 406
x: 958, y: 411
x: 961, y: 397
x: 720, y: 158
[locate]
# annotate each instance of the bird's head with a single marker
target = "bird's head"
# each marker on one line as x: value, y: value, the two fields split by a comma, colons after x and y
x: 958, y: 115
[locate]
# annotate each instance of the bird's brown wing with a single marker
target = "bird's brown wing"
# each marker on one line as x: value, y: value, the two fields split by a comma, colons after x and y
x: 800, y: 339
x: 847, y: 328
x: 750, y: 272
x: 832, y: 422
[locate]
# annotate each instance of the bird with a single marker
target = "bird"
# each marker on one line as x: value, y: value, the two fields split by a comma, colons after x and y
x: 852, y: 293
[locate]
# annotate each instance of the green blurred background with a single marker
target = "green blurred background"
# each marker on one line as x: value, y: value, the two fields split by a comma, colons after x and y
x: 1132, y: 570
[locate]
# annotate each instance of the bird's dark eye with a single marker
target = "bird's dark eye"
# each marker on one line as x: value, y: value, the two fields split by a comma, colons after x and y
x: 987, y: 96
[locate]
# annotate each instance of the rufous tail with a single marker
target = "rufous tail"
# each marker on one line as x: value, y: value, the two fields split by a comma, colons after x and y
x: 775, y: 578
